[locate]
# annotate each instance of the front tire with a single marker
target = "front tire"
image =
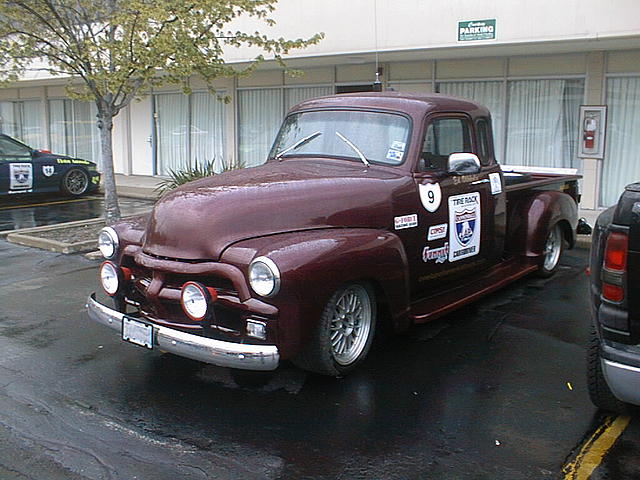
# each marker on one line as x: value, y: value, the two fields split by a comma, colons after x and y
x: 599, y: 390
x: 553, y: 248
x: 75, y: 182
x: 344, y: 334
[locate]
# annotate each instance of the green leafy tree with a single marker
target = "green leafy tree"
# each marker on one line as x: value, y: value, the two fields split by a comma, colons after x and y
x: 114, y: 51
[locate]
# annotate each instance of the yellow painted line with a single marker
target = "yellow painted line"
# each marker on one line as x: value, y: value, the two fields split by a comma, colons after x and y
x: 594, y: 449
x: 73, y: 200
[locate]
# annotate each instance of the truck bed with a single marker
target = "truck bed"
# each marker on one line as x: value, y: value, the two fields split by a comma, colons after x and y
x: 523, y: 178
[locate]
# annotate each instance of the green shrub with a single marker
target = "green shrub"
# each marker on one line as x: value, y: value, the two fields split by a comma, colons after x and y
x: 206, y: 169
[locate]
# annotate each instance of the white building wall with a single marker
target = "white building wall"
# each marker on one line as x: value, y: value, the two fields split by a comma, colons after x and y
x: 350, y: 26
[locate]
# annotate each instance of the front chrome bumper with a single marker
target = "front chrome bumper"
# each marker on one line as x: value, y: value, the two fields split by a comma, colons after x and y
x: 225, y: 354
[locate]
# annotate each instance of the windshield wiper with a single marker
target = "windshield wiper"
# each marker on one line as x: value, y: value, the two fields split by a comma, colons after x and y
x: 298, y: 144
x: 355, y: 149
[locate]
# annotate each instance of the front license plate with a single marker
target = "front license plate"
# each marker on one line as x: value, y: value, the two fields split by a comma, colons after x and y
x: 137, y: 332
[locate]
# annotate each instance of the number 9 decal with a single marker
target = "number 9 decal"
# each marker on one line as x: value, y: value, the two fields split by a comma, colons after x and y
x: 430, y: 196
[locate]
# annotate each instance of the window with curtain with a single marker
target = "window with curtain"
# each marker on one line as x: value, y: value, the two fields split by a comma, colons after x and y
x: 171, y: 110
x: 296, y: 95
x: 73, y: 130
x: 620, y: 165
x: 260, y: 113
x: 30, y: 116
x: 487, y: 93
x: 410, y: 87
x: 207, y: 129
x: 7, y: 119
x: 542, y: 122
x: 189, y: 130
x: 23, y: 120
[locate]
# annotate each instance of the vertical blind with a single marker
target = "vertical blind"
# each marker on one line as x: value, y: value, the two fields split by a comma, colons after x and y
x: 73, y: 130
x: 7, y: 118
x: 207, y: 130
x: 260, y: 113
x: 23, y: 120
x: 542, y: 121
x: 172, y: 129
x: 621, y: 165
x: 542, y: 118
x: 490, y: 95
x: 190, y: 131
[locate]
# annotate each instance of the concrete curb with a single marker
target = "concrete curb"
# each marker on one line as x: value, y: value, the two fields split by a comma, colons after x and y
x: 45, y: 228
x: 51, y: 245
x: 22, y: 237
x: 94, y: 255
x: 583, y: 241
x: 138, y: 195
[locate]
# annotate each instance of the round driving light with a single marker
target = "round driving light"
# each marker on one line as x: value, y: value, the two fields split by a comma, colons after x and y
x: 264, y: 277
x: 110, y: 278
x: 108, y: 242
x: 196, y: 300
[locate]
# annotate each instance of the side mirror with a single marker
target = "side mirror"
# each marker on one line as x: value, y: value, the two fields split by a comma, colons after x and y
x: 463, y: 164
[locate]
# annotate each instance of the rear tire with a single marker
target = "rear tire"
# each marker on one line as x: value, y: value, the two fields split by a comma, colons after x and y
x: 343, y: 337
x: 599, y: 390
x: 553, y: 248
x: 75, y: 182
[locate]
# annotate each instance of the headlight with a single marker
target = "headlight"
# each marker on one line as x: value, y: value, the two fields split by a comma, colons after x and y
x: 109, y: 278
x: 108, y: 242
x: 113, y: 278
x: 264, y: 277
x: 196, y: 300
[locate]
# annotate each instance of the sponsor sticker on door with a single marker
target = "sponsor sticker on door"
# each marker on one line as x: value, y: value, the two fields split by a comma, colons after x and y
x: 48, y: 170
x: 405, y: 221
x: 20, y: 176
x: 464, y: 226
x: 436, y: 232
x: 496, y: 183
x: 438, y: 254
x: 430, y: 196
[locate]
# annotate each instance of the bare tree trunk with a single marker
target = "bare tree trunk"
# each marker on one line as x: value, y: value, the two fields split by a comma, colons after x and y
x: 111, y: 206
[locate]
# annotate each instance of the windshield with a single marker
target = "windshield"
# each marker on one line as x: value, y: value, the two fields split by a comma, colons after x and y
x: 381, y: 137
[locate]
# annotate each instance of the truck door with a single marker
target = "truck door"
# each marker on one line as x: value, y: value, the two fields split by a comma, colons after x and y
x: 458, y: 211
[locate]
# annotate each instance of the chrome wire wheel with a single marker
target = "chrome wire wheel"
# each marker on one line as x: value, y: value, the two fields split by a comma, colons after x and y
x: 552, y: 249
x: 350, y: 325
x: 76, y: 182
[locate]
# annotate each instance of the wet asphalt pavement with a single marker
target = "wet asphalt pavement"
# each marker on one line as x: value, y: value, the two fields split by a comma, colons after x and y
x: 28, y: 211
x: 495, y: 391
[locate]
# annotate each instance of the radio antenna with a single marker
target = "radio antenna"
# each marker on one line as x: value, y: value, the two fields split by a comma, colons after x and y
x: 377, y: 84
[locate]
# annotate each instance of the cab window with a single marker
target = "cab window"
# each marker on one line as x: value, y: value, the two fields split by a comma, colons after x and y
x: 484, y: 149
x: 444, y: 136
x: 9, y: 148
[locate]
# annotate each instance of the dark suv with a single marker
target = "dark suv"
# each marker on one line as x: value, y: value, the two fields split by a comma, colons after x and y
x: 614, y: 349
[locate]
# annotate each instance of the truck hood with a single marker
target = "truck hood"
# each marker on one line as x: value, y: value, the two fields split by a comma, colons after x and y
x: 200, y: 219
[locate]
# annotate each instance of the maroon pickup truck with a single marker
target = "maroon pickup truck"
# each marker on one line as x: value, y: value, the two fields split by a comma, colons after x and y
x: 372, y: 209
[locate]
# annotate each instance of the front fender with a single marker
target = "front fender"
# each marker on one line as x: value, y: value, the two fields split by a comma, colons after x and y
x: 313, y: 264
x: 532, y: 217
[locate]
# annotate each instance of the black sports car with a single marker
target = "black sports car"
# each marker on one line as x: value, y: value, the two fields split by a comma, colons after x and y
x: 25, y: 170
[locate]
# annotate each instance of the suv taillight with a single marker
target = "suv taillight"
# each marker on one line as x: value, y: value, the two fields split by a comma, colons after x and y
x: 615, y: 266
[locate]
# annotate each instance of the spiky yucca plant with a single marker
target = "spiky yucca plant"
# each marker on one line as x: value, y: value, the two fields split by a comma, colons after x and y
x: 206, y: 169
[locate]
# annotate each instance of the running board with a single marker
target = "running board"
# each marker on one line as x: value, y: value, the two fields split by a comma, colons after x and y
x: 442, y: 303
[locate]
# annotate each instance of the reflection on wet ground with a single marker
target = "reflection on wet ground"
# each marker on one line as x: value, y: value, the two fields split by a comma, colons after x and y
x: 37, y: 210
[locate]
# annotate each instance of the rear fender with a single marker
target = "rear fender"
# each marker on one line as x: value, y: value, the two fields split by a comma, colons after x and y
x: 532, y: 217
x: 315, y: 263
